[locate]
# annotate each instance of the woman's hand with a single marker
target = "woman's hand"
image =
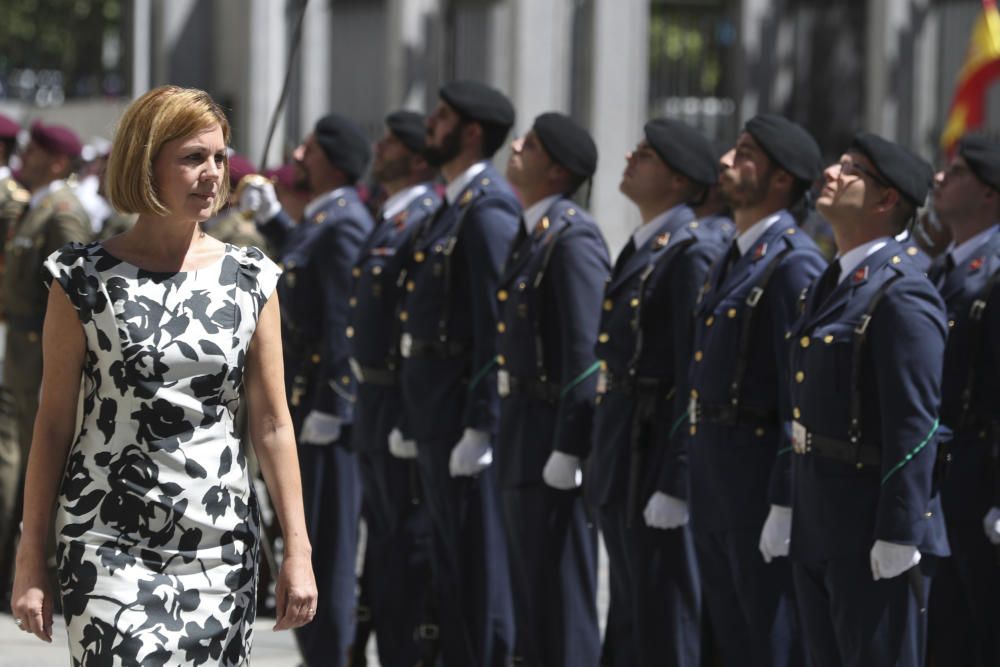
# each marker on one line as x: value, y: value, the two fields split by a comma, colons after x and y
x: 32, y: 597
x: 296, y: 593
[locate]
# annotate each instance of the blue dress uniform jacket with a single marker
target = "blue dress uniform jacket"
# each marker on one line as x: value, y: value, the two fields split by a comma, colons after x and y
x: 639, y: 443
x: 317, y: 259
x: 549, y: 297
x: 865, y: 386
x: 720, y: 224
x: 739, y: 450
x: 394, y: 591
x: 964, y: 612
x: 448, y: 382
x: 314, y: 308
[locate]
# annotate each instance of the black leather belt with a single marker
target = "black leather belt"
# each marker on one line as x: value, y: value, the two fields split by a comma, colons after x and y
x: 732, y: 415
x: 860, y: 454
x: 543, y: 391
x: 412, y: 348
x: 634, y: 385
x: 371, y: 375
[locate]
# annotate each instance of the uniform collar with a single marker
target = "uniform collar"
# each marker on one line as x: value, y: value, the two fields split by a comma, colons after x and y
x: 963, y: 253
x: 746, y: 239
x: 534, y: 213
x: 397, y: 203
x: 4, y: 172
x: 39, y: 195
x: 455, y: 188
x: 647, y: 231
x: 320, y: 202
x: 853, y: 257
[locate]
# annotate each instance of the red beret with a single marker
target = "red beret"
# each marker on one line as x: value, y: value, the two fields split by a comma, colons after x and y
x: 283, y: 176
x: 8, y: 128
x: 56, y: 139
x: 239, y: 167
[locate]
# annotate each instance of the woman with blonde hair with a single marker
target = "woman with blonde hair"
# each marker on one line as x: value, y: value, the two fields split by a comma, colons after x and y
x: 162, y: 329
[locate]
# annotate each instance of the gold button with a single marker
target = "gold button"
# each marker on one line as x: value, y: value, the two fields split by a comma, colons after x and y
x: 800, y: 377
x: 951, y: 324
x: 571, y: 211
x: 693, y: 430
x: 608, y: 304
x: 759, y: 432
x: 796, y: 413
x: 912, y: 251
x: 896, y: 259
x: 501, y: 359
x: 353, y: 301
x: 790, y: 231
x: 710, y: 320
x: 315, y: 358
x: 694, y: 393
x: 410, y: 285
x: 356, y: 272
x: 32, y: 336
x: 403, y: 316
x: 731, y: 313
x: 698, y: 356
x: 828, y: 339
x: 502, y: 295
x: 929, y: 514
x: 345, y: 380
x: 634, y: 302
x: 419, y: 256
x: 804, y: 341
x: 501, y: 327
x: 604, y: 337
x: 350, y: 332
x: 522, y: 285
x: 376, y: 270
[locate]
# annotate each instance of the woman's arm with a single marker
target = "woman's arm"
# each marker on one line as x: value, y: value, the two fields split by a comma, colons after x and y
x: 274, y: 443
x: 63, y: 350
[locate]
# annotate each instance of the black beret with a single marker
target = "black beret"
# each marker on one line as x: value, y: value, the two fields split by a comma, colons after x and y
x: 901, y: 168
x: 983, y: 158
x: 684, y: 149
x: 479, y: 102
x: 409, y: 128
x: 343, y: 142
x: 567, y: 143
x: 788, y: 145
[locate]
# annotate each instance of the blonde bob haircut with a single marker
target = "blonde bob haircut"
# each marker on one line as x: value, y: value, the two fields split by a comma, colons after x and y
x: 161, y: 115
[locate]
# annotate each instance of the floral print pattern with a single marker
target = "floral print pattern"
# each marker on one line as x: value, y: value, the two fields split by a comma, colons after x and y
x: 157, y: 522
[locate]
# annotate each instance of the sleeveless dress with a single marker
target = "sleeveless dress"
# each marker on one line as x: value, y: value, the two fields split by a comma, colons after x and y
x: 157, y: 525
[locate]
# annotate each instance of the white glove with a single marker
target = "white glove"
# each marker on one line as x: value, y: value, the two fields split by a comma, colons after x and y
x: 665, y: 512
x: 320, y: 428
x: 260, y: 200
x: 471, y: 455
x: 991, y: 523
x: 562, y: 471
x: 891, y: 560
x: 776, y: 534
x: 400, y: 447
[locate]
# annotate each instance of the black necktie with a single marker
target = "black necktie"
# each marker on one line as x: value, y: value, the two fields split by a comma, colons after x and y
x: 949, y: 265
x: 624, y: 255
x: 729, y: 261
x: 827, y: 282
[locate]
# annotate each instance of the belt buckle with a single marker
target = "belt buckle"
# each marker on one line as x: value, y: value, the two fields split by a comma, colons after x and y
x: 800, y: 438
x: 602, y: 382
x: 503, y: 383
x: 405, y: 345
x: 356, y: 369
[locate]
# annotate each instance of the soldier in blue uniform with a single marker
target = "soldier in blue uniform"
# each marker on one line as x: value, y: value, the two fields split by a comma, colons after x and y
x: 549, y: 300
x: 739, y: 451
x: 713, y: 210
x: 637, y: 474
x: 965, y: 600
x: 865, y: 381
x: 317, y: 256
x: 448, y: 376
x: 397, y: 560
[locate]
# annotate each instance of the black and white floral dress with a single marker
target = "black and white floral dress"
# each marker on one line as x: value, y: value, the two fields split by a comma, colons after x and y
x: 157, y: 526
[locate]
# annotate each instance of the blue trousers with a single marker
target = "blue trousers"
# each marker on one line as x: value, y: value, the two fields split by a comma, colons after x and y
x: 655, y: 608
x: 552, y: 549
x: 469, y: 571
x: 751, y: 603
x: 332, y: 495
x: 850, y: 620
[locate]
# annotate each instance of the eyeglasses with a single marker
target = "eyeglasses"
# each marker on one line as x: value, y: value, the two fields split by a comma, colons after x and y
x: 852, y: 168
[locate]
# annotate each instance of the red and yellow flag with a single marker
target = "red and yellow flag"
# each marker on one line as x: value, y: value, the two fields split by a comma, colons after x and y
x: 981, y: 68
